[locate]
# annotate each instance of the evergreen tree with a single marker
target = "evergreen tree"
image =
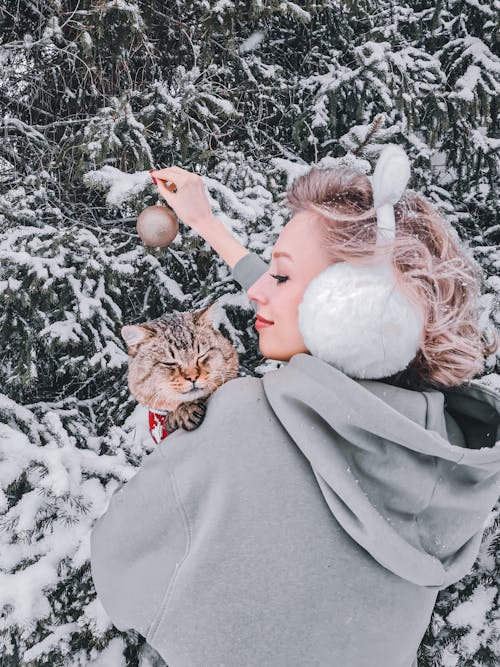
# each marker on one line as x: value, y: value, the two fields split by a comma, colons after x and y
x: 249, y: 94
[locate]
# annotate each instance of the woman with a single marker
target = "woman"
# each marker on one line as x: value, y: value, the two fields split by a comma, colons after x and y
x: 315, y: 514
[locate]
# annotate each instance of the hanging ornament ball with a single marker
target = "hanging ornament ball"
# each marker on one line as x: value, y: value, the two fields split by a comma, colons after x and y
x: 157, y: 226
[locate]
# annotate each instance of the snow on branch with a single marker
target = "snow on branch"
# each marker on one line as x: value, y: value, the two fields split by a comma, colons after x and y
x: 120, y: 185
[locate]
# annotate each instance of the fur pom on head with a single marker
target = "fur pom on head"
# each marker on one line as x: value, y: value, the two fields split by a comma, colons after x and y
x: 356, y: 319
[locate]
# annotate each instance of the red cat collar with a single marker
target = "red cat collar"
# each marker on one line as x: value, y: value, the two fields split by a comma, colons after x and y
x: 157, y: 428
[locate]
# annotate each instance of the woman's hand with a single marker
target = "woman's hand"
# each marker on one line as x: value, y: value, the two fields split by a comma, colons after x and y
x: 189, y: 201
x: 191, y: 205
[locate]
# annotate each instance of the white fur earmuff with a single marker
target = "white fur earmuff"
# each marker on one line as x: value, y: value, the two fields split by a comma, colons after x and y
x: 355, y: 317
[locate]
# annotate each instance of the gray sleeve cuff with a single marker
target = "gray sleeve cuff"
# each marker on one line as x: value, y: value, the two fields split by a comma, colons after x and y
x: 248, y: 269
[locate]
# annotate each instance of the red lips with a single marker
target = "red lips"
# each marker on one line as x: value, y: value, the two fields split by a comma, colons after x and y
x: 259, y: 318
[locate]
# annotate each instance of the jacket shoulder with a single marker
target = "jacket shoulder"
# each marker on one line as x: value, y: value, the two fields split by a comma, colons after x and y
x: 232, y: 412
x: 239, y: 399
x: 241, y: 390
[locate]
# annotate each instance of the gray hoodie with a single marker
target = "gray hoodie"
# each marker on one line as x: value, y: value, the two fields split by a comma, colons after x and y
x: 309, y: 521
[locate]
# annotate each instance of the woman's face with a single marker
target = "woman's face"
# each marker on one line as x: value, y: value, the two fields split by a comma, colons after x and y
x: 278, y: 301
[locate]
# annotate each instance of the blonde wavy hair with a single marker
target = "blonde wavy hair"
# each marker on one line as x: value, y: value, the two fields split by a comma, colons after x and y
x: 431, y: 266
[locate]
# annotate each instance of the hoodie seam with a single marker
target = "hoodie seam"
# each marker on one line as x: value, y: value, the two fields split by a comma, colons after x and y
x: 436, y: 481
x: 419, y: 515
x: 160, y: 615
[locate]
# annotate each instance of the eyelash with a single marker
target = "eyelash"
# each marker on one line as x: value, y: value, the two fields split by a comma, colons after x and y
x: 280, y: 279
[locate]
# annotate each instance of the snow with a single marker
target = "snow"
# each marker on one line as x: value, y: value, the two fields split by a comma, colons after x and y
x: 244, y: 211
x: 171, y: 285
x: 71, y: 274
x: 472, y: 614
x: 478, y: 51
x: 129, y: 7
x: 52, y: 30
x: 321, y: 116
x: 58, y: 635
x: 10, y: 284
x: 112, y: 655
x: 95, y: 615
x: 109, y: 356
x: 64, y: 330
x: 86, y: 38
x: 292, y: 169
x: 467, y: 83
x: 9, y: 121
x: 484, y: 8
x: 252, y: 42
x: 483, y: 142
x: 120, y: 185
x: 374, y: 52
x: 292, y: 7
x: 449, y: 659
x: 65, y: 467
x: 491, y: 380
x: 225, y: 105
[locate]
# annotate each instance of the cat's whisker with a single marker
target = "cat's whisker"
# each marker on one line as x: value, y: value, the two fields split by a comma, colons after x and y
x: 221, y: 375
x: 160, y: 393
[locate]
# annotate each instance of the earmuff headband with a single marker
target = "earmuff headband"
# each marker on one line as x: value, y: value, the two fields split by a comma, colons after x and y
x: 356, y: 317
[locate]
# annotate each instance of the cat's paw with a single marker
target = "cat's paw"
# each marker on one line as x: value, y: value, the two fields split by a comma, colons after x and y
x: 188, y: 415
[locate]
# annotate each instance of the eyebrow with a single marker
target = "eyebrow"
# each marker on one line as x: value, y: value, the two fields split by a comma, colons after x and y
x: 281, y: 253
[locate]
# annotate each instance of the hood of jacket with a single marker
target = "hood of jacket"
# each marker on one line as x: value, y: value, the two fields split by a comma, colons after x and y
x: 411, y: 475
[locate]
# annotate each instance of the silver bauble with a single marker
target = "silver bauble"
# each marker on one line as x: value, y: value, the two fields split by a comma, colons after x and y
x: 157, y: 226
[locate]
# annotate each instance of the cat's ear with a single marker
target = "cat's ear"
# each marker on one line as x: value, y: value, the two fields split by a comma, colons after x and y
x: 210, y: 314
x: 133, y: 334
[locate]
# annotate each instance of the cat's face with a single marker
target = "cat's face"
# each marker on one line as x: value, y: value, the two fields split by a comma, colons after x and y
x: 177, y: 359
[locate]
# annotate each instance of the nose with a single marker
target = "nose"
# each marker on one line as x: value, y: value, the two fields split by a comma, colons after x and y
x: 192, y: 375
x: 258, y: 293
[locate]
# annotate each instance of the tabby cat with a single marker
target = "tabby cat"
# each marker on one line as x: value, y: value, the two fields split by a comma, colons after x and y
x: 176, y: 362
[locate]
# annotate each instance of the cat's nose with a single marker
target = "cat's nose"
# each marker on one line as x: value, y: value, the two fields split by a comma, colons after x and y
x: 192, y: 376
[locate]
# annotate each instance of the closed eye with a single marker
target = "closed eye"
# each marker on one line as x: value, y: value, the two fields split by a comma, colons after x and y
x: 168, y: 363
x: 280, y: 279
x: 207, y: 353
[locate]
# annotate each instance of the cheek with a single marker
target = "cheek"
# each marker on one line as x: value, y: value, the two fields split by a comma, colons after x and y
x: 294, y: 301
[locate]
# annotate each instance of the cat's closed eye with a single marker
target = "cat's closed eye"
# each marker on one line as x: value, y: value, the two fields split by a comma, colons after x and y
x: 203, y: 357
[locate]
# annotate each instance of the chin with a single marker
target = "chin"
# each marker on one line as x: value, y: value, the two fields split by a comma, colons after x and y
x: 280, y: 354
x: 193, y: 395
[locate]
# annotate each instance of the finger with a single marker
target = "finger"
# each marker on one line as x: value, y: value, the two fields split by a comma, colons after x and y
x: 165, y: 192
x: 172, y: 181
x: 171, y: 173
x: 171, y: 185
